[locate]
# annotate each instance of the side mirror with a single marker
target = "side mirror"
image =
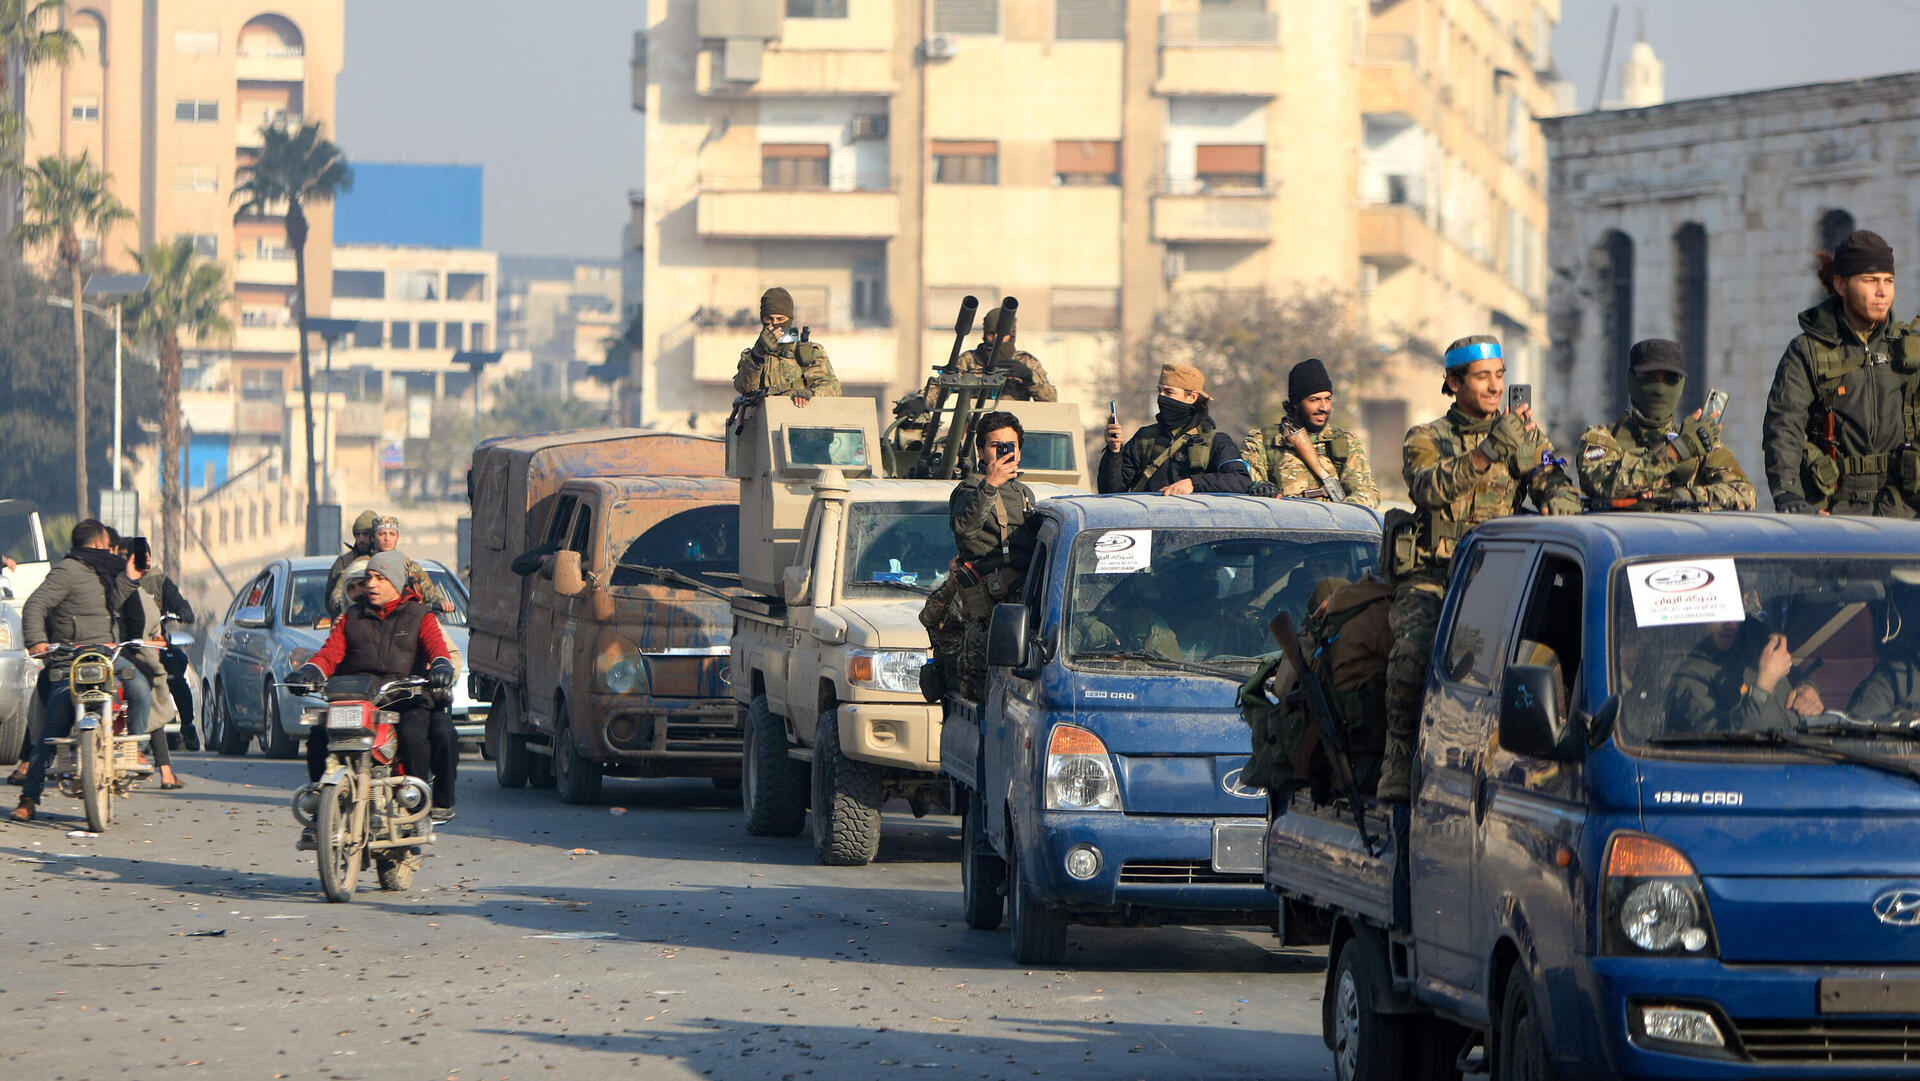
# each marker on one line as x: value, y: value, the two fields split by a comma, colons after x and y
x: 1531, y: 723
x: 1007, y: 636
x: 793, y: 581
x: 251, y: 616
x: 567, y: 579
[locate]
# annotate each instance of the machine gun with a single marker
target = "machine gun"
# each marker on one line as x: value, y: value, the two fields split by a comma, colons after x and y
x: 1296, y: 436
x: 963, y: 398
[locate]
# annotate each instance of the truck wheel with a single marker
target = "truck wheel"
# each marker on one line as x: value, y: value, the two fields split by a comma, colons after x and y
x: 846, y: 801
x: 574, y: 774
x: 280, y: 742
x: 1523, y: 1047
x: 983, y: 874
x: 773, y: 787
x: 510, y: 747
x: 1367, y: 1044
x: 1039, y: 931
x: 233, y: 742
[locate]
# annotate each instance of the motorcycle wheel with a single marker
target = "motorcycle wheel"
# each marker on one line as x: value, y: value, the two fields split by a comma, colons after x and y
x: 396, y: 871
x: 96, y: 778
x: 337, y: 849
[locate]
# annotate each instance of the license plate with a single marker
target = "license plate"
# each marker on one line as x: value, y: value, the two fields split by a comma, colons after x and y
x: 1239, y: 849
x: 1869, y: 995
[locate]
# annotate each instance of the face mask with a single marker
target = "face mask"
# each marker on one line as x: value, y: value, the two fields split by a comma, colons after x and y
x: 1174, y: 413
x: 1003, y: 351
x: 1654, y: 401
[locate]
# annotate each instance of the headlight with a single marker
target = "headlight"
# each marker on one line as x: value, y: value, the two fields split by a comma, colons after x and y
x: 886, y: 669
x: 1655, y: 903
x: 624, y: 675
x: 618, y: 667
x: 1080, y: 773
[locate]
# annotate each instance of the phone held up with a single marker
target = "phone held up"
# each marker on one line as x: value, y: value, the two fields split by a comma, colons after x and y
x: 1113, y: 412
x: 1716, y: 405
x: 140, y: 552
x: 1519, y: 395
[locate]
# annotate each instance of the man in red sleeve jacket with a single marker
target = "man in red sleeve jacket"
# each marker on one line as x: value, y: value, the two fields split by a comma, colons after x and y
x: 390, y: 634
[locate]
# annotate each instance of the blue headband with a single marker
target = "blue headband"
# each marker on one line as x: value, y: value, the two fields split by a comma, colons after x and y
x: 1467, y: 354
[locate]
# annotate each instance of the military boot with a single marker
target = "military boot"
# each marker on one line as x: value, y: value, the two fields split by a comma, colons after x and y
x: 1396, y: 774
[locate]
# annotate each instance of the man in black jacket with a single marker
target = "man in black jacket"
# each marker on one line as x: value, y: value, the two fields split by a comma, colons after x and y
x: 1181, y: 452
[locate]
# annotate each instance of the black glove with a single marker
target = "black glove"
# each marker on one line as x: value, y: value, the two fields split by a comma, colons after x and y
x: 1017, y: 370
x: 1792, y: 504
x: 1264, y: 489
x: 1698, y: 439
x: 307, y: 676
x: 441, y: 674
x: 1508, y: 442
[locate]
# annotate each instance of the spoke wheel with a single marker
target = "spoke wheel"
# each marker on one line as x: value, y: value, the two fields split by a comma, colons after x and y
x: 96, y: 777
x: 339, y: 846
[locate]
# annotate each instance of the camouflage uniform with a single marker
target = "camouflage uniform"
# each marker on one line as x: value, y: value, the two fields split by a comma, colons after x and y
x: 1687, y: 469
x: 1450, y: 497
x: 984, y: 519
x: 1714, y: 691
x: 946, y: 631
x: 1031, y: 387
x: 1891, y: 689
x: 799, y: 369
x: 1272, y: 459
x: 422, y: 584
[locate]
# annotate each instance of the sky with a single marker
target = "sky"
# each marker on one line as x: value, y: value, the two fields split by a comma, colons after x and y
x: 544, y: 102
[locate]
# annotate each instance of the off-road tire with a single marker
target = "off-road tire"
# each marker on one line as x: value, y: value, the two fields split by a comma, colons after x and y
x: 396, y: 870
x: 279, y: 742
x: 233, y: 742
x: 773, y: 785
x: 1522, y: 1051
x: 576, y: 776
x: 846, y: 800
x: 1367, y: 1045
x: 1038, y: 931
x: 983, y: 874
x: 511, y: 756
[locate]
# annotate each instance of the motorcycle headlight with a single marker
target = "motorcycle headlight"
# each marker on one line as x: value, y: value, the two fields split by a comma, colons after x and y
x: 886, y: 669
x: 1655, y: 902
x: 1080, y: 774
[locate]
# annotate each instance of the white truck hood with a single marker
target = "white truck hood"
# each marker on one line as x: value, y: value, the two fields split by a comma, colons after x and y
x: 875, y: 623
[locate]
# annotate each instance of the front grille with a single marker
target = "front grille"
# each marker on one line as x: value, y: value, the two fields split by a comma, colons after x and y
x: 1180, y: 873
x: 1867, y: 1040
x: 701, y: 737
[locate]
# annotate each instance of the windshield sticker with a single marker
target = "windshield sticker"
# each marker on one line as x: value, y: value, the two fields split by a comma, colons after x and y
x: 1123, y: 551
x: 1696, y: 591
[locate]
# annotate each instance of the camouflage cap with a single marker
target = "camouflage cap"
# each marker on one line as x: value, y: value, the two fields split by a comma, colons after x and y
x: 388, y: 522
x: 364, y: 523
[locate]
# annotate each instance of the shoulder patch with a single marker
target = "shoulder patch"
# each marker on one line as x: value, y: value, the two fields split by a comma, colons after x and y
x: 1593, y: 453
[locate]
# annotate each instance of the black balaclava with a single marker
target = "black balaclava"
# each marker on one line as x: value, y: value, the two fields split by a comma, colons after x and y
x: 1176, y: 414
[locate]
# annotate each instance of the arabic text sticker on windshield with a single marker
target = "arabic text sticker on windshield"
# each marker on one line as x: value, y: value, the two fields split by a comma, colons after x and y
x: 1690, y: 591
x: 1123, y: 551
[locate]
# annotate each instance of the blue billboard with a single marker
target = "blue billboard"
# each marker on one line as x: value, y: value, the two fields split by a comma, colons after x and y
x: 413, y: 206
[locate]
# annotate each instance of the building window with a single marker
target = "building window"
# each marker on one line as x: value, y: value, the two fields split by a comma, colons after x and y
x: 1230, y: 166
x: 477, y: 336
x: 417, y: 285
x: 360, y: 284
x: 1690, y: 299
x: 262, y: 384
x: 794, y: 166
x: 966, y: 16
x: 400, y: 335
x: 1089, y: 20
x: 1835, y: 226
x: 468, y: 287
x: 196, y: 42
x: 943, y: 304
x: 1086, y: 161
x: 196, y: 112
x: 816, y: 9
x: 1084, y: 309
x: 957, y: 161
x: 86, y: 110
x: 366, y: 334
x: 205, y: 245
x: 870, y: 294
x: 1613, y: 264
x: 429, y: 335
x: 195, y: 178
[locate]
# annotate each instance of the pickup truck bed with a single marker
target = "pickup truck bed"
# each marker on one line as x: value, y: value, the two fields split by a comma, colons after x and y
x: 1314, y: 854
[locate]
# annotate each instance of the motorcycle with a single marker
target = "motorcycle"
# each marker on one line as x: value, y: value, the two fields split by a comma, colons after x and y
x: 99, y: 762
x: 364, y: 810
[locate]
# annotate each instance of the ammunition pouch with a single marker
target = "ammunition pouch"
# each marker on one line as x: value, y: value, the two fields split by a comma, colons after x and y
x: 1864, y: 465
x: 934, y: 682
x: 1905, y: 353
x: 1399, y: 544
x: 1819, y: 474
x: 1906, y: 468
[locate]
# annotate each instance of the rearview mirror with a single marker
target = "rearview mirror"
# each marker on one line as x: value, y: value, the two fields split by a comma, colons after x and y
x: 793, y: 581
x: 251, y: 616
x: 180, y: 639
x: 567, y: 579
x: 1531, y: 722
x: 1007, y: 636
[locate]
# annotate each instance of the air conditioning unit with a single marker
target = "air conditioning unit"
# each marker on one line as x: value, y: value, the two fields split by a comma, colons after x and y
x: 1369, y: 279
x: 1173, y: 265
x: 873, y: 126
x: 939, y: 47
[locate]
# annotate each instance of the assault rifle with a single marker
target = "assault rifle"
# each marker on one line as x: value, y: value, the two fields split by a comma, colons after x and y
x: 1320, y: 710
x: 1296, y: 435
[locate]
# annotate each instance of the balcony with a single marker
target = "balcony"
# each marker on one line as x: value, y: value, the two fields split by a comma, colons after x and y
x: 1394, y: 236
x: 255, y: 416
x: 267, y: 271
x: 788, y: 72
x: 246, y: 133
x: 1184, y: 213
x: 1391, y: 83
x: 847, y: 208
x: 1207, y: 28
x: 1219, y: 54
x: 280, y: 338
x: 277, y: 66
x: 868, y: 355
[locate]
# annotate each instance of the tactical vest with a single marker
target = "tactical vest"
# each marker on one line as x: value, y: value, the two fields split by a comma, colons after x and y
x: 1333, y: 450
x: 1191, y: 452
x: 1679, y: 472
x: 976, y: 601
x: 772, y: 370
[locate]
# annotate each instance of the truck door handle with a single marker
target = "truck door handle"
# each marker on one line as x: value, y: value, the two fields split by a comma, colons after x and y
x: 1482, y: 796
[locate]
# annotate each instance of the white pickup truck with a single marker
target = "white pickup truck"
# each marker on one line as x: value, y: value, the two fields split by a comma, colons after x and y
x: 23, y: 541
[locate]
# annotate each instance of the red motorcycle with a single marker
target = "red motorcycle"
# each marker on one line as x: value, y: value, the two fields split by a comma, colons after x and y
x: 364, y: 810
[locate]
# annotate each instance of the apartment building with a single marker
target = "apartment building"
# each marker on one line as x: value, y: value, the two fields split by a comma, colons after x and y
x: 168, y: 97
x: 562, y: 312
x: 1094, y: 158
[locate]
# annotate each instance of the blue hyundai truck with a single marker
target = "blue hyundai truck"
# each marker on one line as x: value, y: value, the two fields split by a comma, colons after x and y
x: 1666, y: 814
x: 1100, y: 780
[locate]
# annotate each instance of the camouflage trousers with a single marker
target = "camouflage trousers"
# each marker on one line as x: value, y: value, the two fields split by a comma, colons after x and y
x: 946, y: 632
x: 1414, y: 617
x: 973, y: 661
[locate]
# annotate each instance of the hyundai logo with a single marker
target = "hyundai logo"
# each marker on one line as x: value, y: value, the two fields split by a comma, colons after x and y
x: 1231, y: 783
x: 1901, y: 908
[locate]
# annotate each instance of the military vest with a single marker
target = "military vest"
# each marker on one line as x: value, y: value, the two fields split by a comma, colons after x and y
x: 1191, y: 451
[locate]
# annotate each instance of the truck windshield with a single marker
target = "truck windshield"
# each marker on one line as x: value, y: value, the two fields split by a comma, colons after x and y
x: 1719, y: 651
x: 703, y: 543
x: 1049, y: 452
x: 897, y: 546
x: 1196, y: 595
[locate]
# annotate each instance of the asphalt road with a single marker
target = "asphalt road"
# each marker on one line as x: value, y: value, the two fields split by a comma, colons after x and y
x: 192, y: 941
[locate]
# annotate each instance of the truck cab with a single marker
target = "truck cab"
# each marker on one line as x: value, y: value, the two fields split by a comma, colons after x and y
x: 1666, y: 785
x: 1099, y: 781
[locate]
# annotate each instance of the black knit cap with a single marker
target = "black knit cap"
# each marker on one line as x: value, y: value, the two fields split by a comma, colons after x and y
x: 1657, y: 355
x: 1307, y: 378
x: 1864, y: 252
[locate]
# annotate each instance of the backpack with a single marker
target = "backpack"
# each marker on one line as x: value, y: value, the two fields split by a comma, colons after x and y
x: 1347, y: 642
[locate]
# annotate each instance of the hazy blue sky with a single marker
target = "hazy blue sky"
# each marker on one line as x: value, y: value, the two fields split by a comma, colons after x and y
x: 537, y: 90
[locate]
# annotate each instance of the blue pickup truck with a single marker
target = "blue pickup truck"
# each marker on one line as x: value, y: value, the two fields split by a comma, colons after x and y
x: 1666, y: 816
x: 1099, y: 782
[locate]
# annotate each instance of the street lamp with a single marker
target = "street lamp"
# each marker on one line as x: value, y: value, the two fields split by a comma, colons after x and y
x: 330, y: 331
x: 117, y: 288
x: 475, y: 360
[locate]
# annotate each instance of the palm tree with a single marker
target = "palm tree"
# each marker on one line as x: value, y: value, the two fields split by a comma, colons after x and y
x: 292, y: 170
x: 66, y: 197
x: 185, y: 295
x: 30, y: 32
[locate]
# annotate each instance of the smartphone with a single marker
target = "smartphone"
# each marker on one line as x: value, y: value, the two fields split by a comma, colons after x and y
x: 1519, y: 395
x: 1716, y: 404
x: 1113, y: 412
x: 140, y: 552
x: 789, y: 336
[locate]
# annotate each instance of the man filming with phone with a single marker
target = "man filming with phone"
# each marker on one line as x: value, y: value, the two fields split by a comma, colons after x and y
x: 1652, y: 459
x: 985, y: 511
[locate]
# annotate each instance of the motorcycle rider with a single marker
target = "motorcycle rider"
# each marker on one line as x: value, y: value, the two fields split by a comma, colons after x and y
x: 78, y: 604
x: 390, y: 634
